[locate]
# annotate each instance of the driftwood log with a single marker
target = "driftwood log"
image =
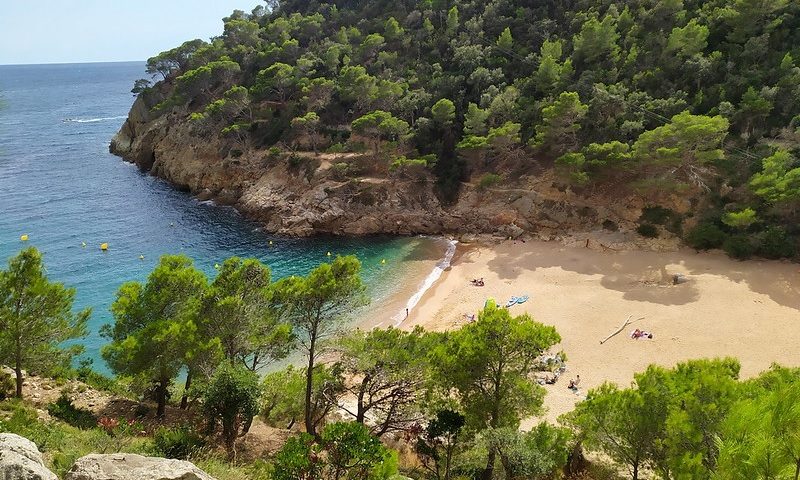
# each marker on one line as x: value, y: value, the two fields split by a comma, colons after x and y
x: 628, y: 321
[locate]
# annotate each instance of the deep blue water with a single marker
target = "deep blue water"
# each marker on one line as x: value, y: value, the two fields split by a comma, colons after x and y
x: 61, y: 187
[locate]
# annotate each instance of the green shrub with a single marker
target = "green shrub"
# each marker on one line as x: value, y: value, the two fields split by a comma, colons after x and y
x: 293, y: 460
x: 295, y: 161
x: 739, y: 246
x: 740, y: 220
x: 656, y: 215
x: 610, y: 226
x: 63, y: 409
x: 401, y: 162
x: 179, y: 442
x: 340, y: 170
x: 488, y: 180
x: 705, y: 236
x: 7, y: 385
x: 647, y: 230
x: 776, y: 243
x: 336, y: 148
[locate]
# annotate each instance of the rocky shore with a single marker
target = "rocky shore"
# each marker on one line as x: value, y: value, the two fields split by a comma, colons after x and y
x: 308, y: 193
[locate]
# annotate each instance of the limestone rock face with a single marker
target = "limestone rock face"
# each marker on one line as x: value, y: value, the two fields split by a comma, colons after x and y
x: 127, y: 466
x: 21, y: 460
x: 311, y: 196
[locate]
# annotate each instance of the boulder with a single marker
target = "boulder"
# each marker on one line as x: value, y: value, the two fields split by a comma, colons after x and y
x: 128, y: 466
x: 21, y: 460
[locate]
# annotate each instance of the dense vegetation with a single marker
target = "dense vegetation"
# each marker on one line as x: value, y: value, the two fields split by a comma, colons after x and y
x: 452, y: 401
x: 694, y: 105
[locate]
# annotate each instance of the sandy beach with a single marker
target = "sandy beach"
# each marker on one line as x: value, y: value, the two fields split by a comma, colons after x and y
x: 749, y: 310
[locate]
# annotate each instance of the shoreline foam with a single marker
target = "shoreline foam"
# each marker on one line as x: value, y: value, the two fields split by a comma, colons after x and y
x: 426, y: 285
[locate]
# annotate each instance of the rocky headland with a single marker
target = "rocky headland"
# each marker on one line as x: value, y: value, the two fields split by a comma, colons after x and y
x: 301, y: 193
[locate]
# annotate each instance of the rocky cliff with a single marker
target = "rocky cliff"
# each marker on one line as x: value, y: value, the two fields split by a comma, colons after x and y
x: 302, y: 194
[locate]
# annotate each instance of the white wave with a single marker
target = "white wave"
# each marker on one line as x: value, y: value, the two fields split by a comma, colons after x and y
x: 429, y: 281
x: 93, y: 120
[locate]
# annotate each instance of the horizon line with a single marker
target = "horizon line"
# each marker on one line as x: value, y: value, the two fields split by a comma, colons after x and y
x: 69, y: 63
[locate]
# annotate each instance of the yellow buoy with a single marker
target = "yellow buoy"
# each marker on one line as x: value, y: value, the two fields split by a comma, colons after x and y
x: 141, y: 257
x: 104, y: 246
x: 83, y: 244
x: 329, y: 254
x: 216, y: 265
x: 270, y: 242
x: 383, y: 261
x: 24, y: 237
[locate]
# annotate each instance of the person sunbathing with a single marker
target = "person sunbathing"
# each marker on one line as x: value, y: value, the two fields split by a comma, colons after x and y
x: 637, y: 334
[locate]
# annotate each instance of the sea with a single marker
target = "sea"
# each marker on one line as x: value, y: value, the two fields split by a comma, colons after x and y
x: 62, y: 189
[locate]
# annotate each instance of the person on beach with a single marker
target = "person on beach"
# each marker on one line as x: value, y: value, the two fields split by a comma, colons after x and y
x: 406, y: 312
x: 637, y: 334
x: 573, y: 384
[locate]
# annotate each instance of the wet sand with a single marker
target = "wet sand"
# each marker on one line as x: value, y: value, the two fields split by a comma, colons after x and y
x: 749, y: 310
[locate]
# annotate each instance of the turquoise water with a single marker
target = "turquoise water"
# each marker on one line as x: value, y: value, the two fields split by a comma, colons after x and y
x: 60, y: 186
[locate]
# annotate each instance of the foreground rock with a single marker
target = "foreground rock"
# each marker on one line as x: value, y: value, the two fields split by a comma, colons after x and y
x: 127, y: 466
x: 21, y: 460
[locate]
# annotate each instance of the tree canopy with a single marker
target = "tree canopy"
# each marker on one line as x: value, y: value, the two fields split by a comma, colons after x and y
x: 36, y: 317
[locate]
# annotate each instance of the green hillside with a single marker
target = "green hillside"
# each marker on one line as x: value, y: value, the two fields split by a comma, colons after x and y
x: 697, y: 101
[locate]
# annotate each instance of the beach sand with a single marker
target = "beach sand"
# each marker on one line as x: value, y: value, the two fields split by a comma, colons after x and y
x: 749, y: 310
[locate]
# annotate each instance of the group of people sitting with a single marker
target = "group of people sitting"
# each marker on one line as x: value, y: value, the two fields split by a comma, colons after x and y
x: 637, y: 334
x: 573, y: 384
x: 478, y: 282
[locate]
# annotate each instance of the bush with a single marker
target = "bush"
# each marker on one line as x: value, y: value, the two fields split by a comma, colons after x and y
x: 672, y: 221
x: 294, y: 459
x: 295, y: 161
x: 488, y: 180
x: 336, y: 148
x: 610, y: 226
x: 180, y: 442
x: 739, y: 246
x: 776, y: 243
x: 656, y: 215
x: 705, y: 236
x: 7, y: 385
x: 63, y: 409
x: 647, y: 230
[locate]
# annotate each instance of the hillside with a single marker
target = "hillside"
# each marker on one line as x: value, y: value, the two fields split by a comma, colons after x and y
x: 675, y: 118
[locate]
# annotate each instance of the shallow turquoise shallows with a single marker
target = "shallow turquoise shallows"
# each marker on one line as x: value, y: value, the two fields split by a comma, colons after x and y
x: 61, y: 188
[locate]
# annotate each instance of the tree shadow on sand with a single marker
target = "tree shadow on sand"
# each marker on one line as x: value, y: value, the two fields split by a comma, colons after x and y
x: 648, y: 276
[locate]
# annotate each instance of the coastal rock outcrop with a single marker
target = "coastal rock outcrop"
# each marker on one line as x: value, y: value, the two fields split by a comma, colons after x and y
x: 127, y: 466
x: 302, y: 194
x: 21, y: 460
